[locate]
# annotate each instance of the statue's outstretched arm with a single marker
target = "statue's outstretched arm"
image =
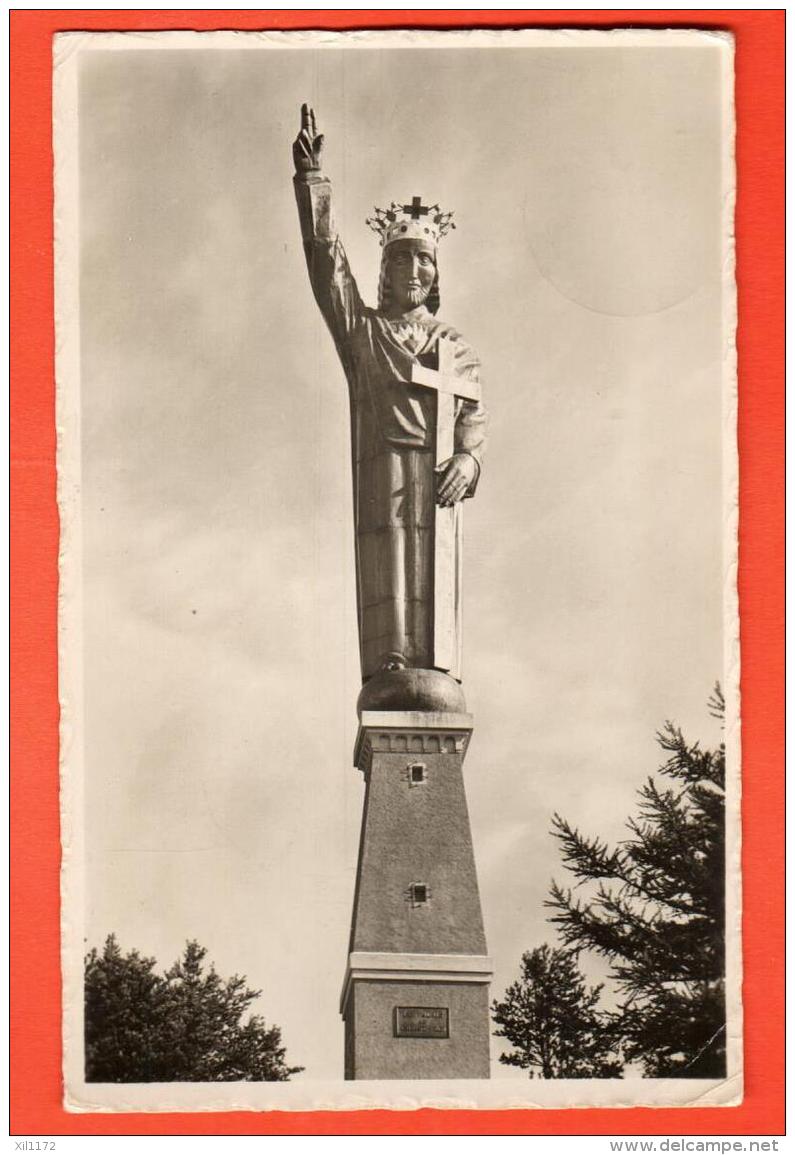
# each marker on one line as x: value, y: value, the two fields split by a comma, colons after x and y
x: 329, y: 272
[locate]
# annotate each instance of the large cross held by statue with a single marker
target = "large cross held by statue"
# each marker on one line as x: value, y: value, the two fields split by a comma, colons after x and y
x: 448, y: 388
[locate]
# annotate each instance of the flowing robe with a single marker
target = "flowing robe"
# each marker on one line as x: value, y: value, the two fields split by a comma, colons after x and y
x: 393, y: 449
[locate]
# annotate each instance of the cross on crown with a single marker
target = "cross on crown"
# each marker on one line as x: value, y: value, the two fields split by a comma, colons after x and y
x: 412, y: 221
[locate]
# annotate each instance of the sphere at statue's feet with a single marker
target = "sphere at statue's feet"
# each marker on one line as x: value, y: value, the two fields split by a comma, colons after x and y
x: 410, y: 689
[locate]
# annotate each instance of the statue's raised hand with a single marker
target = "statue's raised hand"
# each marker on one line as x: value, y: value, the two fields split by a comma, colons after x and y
x: 308, y: 144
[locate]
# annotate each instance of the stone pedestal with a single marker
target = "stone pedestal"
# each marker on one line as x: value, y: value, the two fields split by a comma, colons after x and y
x: 415, y: 997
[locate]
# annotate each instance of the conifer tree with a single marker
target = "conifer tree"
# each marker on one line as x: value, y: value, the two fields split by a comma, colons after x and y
x: 657, y: 912
x: 183, y: 1026
x: 553, y: 1020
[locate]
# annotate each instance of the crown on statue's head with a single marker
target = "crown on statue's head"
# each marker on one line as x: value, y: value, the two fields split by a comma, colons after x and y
x: 414, y: 221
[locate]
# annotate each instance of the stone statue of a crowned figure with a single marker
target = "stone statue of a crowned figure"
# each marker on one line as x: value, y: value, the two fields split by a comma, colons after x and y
x: 418, y: 437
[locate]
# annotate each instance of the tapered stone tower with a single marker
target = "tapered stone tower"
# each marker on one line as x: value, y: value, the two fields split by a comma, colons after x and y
x: 415, y: 996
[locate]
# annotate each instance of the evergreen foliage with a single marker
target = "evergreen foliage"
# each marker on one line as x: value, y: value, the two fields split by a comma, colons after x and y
x: 553, y: 1020
x: 183, y: 1026
x: 657, y: 913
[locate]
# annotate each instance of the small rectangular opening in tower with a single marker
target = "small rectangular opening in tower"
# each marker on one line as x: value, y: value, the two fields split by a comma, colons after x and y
x: 419, y: 893
x: 417, y: 773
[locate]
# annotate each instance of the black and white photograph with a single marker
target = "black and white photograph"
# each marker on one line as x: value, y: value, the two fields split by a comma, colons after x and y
x: 398, y: 636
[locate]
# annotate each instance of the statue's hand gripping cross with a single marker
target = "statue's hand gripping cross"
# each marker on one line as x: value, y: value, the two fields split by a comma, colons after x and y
x: 448, y: 389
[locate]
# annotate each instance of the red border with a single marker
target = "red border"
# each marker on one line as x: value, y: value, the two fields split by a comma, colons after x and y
x: 35, y: 975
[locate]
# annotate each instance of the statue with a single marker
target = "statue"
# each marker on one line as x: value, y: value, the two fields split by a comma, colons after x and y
x: 418, y: 434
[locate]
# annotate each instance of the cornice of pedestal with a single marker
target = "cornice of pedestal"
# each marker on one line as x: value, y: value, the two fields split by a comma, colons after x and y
x: 388, y: 966
x: 410, y: 732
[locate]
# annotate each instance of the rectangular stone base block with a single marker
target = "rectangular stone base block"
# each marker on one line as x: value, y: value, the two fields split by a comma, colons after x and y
x: 396, y: 1030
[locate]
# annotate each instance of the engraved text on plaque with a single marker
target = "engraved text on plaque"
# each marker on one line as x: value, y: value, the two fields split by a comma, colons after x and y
x: 422, y: 1023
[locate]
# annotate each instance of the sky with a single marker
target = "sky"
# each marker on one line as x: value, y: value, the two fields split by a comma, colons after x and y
x: 219, y: 645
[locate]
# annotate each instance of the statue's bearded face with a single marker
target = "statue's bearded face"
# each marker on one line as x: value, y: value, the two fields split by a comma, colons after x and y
x: 410, y: 273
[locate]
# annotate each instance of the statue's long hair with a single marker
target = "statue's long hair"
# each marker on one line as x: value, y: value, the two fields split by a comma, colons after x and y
x: 385, y: 293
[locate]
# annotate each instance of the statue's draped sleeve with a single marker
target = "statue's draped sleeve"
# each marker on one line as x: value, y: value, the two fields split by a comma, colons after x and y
x: 329, y: 272
x: 472, y: 420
